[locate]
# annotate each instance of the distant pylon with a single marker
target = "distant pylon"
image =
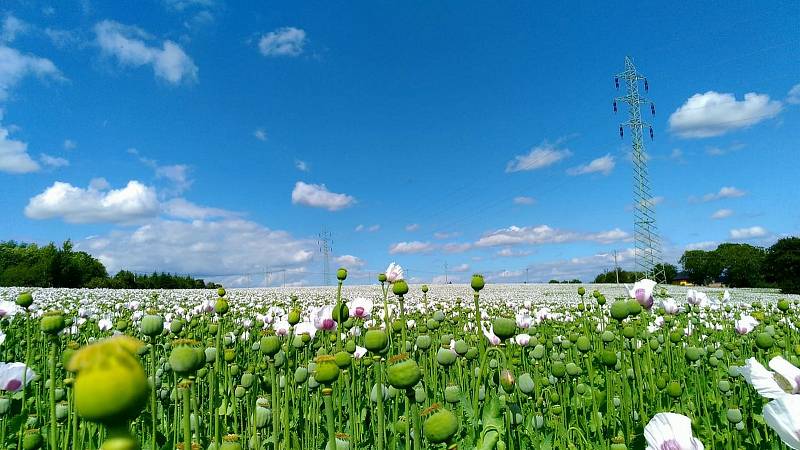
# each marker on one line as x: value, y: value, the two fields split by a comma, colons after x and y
x: 325, y: 247
x: 648, y: 258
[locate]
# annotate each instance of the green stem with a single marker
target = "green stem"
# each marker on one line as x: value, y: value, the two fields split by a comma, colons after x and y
x: 326, y: 396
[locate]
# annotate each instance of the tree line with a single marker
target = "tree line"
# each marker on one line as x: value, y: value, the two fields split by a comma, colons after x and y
x: 735, y: 265
x: 31, y: 265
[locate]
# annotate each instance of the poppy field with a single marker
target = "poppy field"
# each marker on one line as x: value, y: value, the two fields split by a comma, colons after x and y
x: 399, y: 366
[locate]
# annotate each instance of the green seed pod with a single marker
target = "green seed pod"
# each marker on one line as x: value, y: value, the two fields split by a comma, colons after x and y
x: 472, y: 354
x: 764, y: 341
x: 270, y: 345
x: 783, y: 305
x: 401, y: 426
x: 445, y: 357
x: 674, y: 389
x: 229, y: 355
x: 538, y: 351
x: 507, y: 381
x: 110, y: 383
x: 341, y: 274
x: 423, y: 342
x: 294, y: 317
x: 340, y: 313
x: 477, y: 283
x: 573, y: 370
x: 558, y: 369
x: 400, y: 288
x: 693, y: 354
x: 221, y: 306
x: 326, y: 370
x: 300, y: 375
x: 350, y: 346
x: 376, y: 340
x: 452, y: 394
x: 619, y: 310
x: 609, y: 358
x: 52, y: 322
x: 634, y: 308
x: 32, y: 440
x: 343, y: 359
x: 581, y: 291
x: 504, y: 327
x: 24, y: 300
x: 403, y: 373
x: 185, y: 359
x: 247, y: 380
x: 210, y: 355
x: 676, y: 336
x: 176, y: 326
x: 526, y: 384
x: 432, y: 324
x: 440, y: 426
x: 629, y: 332
x: 152, y: 325
x: 734, y: 415
x: 420, y: 395
x: 584, y: 344
x: 607, y: 336
x: 461, y: 347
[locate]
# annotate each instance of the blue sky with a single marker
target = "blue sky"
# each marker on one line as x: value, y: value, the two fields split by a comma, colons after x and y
x: 218, y: 139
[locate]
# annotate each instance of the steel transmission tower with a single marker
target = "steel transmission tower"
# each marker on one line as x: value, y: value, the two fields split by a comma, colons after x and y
x: 325, y: 247
x: 647, y: 242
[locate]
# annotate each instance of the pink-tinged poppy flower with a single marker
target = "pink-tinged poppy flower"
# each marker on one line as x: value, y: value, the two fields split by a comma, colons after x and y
x: 360, y: 307
x: 12, y: 374
x: 394, y: 272
x: 670, y: 431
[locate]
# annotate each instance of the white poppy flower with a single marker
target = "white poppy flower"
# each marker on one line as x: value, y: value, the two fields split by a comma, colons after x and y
x: 783, y: 416
x: 670, y: 431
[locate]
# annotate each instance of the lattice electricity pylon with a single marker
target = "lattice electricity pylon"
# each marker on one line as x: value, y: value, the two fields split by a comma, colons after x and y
x: 648, y: 257
x: 325, y: 247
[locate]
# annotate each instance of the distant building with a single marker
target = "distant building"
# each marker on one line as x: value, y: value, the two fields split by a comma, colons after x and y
x: 681, y: 279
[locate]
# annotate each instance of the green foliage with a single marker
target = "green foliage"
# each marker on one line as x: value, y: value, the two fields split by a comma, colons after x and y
x: 30, y: 265
x: 782, y: 265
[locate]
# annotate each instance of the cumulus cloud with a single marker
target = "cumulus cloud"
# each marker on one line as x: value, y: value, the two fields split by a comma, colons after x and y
x: 130, y: 47
x: 200, y: 247
x: 793, y: 96
x: 12, y: 26
x: 541, y: 156
x: 523, y: 200
x: 724, y: 192
x: 371, y: 228
x: 410, y: 247
x: 722, y: 214
x: 318, y: 196
x: 78, y: 205
x: 53, y: 161
x: 461, y: 268
x: 260, y: 134
x: 604, y: 164
x: 286, y: 41
x: 14, y: 66
x: 510, y: 253
x: 412, y: 227
x: 748, y: 233
x: 14, y: 157
x: 714, y: 114
x: 350, y: 261
x: 544, y: 234
x: 182, y: 208
x: 703, y: 245
x: 446, y: 235
x: 456, y: 247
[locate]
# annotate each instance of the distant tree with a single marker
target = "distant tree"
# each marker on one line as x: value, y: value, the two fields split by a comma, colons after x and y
x: 739, y: 265
x: 670, y: 271
x: 553, y: 282
x: 781, y: 265
x: 698, y: 266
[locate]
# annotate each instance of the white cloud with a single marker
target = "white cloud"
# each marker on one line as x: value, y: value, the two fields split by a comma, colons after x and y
x: 412, y: 227
x: 410, y: 247
x: 544, y: 234
x: 12, y: 26
x: 714, y: 114
x: 722, y: 214
x: 371, y: 228
x: 456, y: 247
x: 260, y: 134
x: 510, y: 253
x: 184, y: 209
x: 14, y: 66
x: 544, y: 155
x: 704, y: 245
x: 461, y: 268
x: 724, y: 192
x: 523, y: 200
x: 748, y: 233
x: 350, y: 261
x: 180, y: 5
x: 53, y: 161
x: 604, y: 164
x: 318, y: 196
x: 201, y: 248
x: 446, y: 235
x: 793, y: 96
x: 302, y: 166
x: 286, y: 41
x: 129, y: 45
x: 77, y: 205
x: 14, y: 157
x: 69, y: 144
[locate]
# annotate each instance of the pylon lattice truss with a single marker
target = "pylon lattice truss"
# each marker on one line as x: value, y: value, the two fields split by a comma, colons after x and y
x: 648, y: 258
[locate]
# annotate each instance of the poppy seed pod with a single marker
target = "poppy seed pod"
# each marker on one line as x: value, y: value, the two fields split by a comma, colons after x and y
x: 221, y: 292
x: 382, y: 277
x: 294, y: 317
x: 32, y: 440
x: 110, y: 383
x: 341, y: 274
x: 581, y: 291
x: 477, y: 283
x: 440, y: 426
x: 376, y: 340
x: 326, y: 371
x: 24, y: 300
x: 186, y: 357
x: 424, y: 288
x: 403, y: 372
x: 445, y: 357
x: 221, y: 306
x: 504, y: 327
x: 270, y: 345
x: 152, y: 325
x: 619, y: 310
x: 52, y: 322
x: 400, y: 288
